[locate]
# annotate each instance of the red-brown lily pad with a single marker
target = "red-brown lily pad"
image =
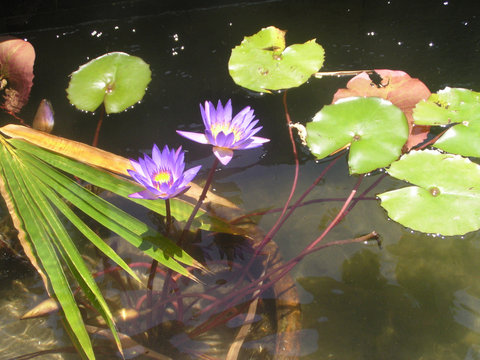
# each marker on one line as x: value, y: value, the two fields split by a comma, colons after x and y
x: 16, y: 72
x: 400, y: 89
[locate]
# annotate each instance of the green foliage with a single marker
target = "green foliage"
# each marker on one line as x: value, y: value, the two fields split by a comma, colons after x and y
x: 117, y: 80
x: 453, y: 106
x: 374, y: 129
x: 38, y: 193
x: 446, y: 195
x: 262, y: 63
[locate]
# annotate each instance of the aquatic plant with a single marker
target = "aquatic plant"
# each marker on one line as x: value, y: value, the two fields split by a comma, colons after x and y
x: 381, y: 120
x: 376, y: 132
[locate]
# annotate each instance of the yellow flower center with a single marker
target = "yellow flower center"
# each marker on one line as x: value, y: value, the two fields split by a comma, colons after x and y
x: 162, y: 177
x: 226, y: 129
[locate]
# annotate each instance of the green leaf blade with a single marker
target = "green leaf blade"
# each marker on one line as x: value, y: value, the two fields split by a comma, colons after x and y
x: 27, y: 209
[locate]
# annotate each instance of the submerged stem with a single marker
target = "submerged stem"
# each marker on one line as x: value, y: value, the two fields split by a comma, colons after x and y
x: 280, y: 220
x: 202, y: 197
x: 285, y: 268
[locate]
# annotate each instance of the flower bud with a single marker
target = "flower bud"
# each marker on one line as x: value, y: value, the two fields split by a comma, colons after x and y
x: 43, y: 119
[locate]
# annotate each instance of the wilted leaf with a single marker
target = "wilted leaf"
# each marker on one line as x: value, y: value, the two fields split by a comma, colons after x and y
x: 262, y: 63
x: 116, y: 79
x: 16, y: 71
x: 374, y: 129
x: 445, y: 199
x: 46, y: 307
x: 453, y: 105
x: 397, y: 87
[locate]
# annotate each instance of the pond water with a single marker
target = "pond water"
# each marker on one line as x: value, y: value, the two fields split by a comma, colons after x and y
x: 418, y: 297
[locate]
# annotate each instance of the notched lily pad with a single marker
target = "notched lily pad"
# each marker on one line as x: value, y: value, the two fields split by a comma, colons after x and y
x: 262, y: 63
x: 457, y: 106
x: 445, y: 198
x: 116, y: 79
x: 374, y: 128
x: 398, y: 88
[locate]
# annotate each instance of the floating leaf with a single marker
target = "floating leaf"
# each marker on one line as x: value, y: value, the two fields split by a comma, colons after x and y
x: 453, y: 105
x: 399, y: 88
x: 374, y: 129
x: 445, y: 199
x: 16, y: 71
x: 116, y: 79
x: 262, y: 63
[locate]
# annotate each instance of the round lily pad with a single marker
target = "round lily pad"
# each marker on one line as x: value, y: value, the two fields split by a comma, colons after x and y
x: 116, y: 79
x: 453, y: 105
x: 374, y: 128
x: 262, y: 63
x: 445, y: 199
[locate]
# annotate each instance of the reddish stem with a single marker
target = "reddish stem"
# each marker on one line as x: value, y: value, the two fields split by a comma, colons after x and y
x: 305, y: 203
x: 99, y: 125
x: 11, y: 113
x: 202, y: 197
x: 278, y: 223
x: 304, y: 195
x: 290, y: 264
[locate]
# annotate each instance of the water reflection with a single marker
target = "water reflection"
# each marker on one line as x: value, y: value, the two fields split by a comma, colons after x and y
x: 430, y: 310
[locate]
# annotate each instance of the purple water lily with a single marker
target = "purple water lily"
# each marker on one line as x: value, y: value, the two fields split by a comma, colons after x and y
x: 162, y: 174
x: 227, y: 134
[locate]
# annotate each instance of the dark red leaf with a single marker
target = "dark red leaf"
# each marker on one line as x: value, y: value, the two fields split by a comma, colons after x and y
x: 16, y: 71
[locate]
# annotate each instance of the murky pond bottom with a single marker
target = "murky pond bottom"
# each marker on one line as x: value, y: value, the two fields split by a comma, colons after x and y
x: 418, y: 297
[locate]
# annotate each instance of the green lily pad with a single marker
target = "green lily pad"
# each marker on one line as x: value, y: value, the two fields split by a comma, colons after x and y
x: 262, y: 63
x: 445, y: 199
x: 116, y: 79
x: 374, y: 128
x: 453, y: 105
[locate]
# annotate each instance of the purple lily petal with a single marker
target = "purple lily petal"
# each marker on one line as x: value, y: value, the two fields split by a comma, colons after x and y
x: 144, y: 194
x: 200, y: 138
x: 191, y: 173
x: 257, y: 141
x: 137, y: 167
x: 223, y: 154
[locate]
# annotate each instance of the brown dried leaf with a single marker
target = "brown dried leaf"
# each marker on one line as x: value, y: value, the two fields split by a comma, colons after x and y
x: 46, y: 307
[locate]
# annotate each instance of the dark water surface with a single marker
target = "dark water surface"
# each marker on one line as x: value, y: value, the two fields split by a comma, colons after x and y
x: 416, y: 298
